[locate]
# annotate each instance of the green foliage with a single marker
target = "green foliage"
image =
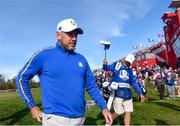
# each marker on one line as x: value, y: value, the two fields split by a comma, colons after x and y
x: 11, y: 84
x: 152, y: 112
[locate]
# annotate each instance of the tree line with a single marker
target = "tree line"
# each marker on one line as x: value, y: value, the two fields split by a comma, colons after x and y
x: 11, y: 84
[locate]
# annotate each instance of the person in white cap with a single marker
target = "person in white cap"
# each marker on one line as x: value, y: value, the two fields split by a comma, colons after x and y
x: 64, y: 76
x: 170, y: 82
x: 123, y: 77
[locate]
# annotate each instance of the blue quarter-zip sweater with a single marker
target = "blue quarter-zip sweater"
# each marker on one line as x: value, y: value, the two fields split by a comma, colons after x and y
x: 123, y: 76
x: 63, y: 77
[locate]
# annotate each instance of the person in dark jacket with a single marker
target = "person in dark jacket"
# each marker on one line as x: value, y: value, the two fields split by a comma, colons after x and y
x: 160, y: 84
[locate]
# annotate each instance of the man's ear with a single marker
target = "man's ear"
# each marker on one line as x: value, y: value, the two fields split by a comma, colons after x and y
x: 58, y: 35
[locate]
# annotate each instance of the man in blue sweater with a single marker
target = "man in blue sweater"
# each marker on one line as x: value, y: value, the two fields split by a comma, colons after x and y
x: 63, y: 74
x: 124, y: 79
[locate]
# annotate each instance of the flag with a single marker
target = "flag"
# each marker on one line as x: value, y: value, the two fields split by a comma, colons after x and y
x: 135, y: 47
x: 140, y: 44
x: 145, y: 44
x: 160, y: 35
x: 150, y: 40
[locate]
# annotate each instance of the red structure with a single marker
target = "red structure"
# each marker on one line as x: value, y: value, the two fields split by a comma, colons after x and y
x: 172, y: 34
x: 167, y: 52
x: 156, y: 54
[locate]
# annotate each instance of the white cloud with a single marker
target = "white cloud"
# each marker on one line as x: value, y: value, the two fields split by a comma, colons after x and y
x: 100, y: 19
x: 107, y: 19
x: 104, y: 19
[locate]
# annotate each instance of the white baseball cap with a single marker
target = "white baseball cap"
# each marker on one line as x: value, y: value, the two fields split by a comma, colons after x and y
x: 130, y: 58
x: 169, y: 73
x: 68, y: 25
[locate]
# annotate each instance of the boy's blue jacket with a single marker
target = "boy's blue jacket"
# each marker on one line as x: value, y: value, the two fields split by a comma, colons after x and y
x: 170, y: 81
x: 124, y: 77
x: 63, y: 78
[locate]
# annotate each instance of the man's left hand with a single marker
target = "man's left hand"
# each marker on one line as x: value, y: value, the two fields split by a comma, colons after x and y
x: 142, y: 98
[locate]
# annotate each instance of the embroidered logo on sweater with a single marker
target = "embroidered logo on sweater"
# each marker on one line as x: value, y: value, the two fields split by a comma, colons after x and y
x: 124, y: 75
x: 80, y: 64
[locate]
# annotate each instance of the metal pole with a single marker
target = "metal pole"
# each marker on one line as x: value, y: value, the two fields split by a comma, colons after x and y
x: 105, y: 54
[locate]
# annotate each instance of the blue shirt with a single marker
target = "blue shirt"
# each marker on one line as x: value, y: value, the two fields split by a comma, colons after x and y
x: 124, y: 77
x: 63, y: 77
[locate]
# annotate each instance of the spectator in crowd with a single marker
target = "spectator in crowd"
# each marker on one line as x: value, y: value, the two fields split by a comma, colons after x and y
x: 63, y: 75
x: 100, y: 79
x: 163, y: 73
x: 178, y: 72
x: 146, y: 75
x: 123, y: 76
x: 160, y: 84
x: 170, y: 84
x: 142, y: 87
x: 177, y: 84
x: 140, y: 82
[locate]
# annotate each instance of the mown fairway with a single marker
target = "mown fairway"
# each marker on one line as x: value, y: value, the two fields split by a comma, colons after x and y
x: 152, y: 112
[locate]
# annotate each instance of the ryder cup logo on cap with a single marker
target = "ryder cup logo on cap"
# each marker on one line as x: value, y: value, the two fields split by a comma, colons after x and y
x: 68, y: 25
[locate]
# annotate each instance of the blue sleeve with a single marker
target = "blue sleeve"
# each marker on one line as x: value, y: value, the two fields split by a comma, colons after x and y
x: 109, y: 67
x: 93, y: 90
x: 31, y: 68
x: 134, y: 83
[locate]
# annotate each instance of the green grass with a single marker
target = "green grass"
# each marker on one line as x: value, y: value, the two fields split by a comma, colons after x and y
x: 152, y: 112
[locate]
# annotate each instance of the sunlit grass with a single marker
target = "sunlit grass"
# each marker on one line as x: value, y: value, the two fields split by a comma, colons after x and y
x: 152, y: 112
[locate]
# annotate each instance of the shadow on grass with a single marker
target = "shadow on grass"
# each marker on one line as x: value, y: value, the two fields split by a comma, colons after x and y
x: 168, y: 105
x: 119, y: 120
x: 151, y: 99
x: 12, y: 119
x: 91, y: 120
x: 160, y: 122
x: 135, y: 99
x: 99, y: 119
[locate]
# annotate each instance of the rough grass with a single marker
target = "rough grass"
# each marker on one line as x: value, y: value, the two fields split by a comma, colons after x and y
x: 152, y: 112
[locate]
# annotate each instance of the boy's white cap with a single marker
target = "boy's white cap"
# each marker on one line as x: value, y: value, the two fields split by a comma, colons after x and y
x: 68, y: 25
x: 169, y: 73
x: 130, y: 58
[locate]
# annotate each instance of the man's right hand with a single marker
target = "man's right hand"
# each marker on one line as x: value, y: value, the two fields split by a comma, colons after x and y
x: 36, y: 113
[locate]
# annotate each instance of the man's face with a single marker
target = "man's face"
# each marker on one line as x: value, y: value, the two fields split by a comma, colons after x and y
x: 67, y: 39
x: 128, y: 64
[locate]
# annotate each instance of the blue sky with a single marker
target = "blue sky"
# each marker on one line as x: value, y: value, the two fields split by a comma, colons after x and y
x: 29, y: 25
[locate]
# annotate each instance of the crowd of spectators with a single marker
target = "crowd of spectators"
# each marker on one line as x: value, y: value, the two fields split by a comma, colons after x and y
x: 162, y: 78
